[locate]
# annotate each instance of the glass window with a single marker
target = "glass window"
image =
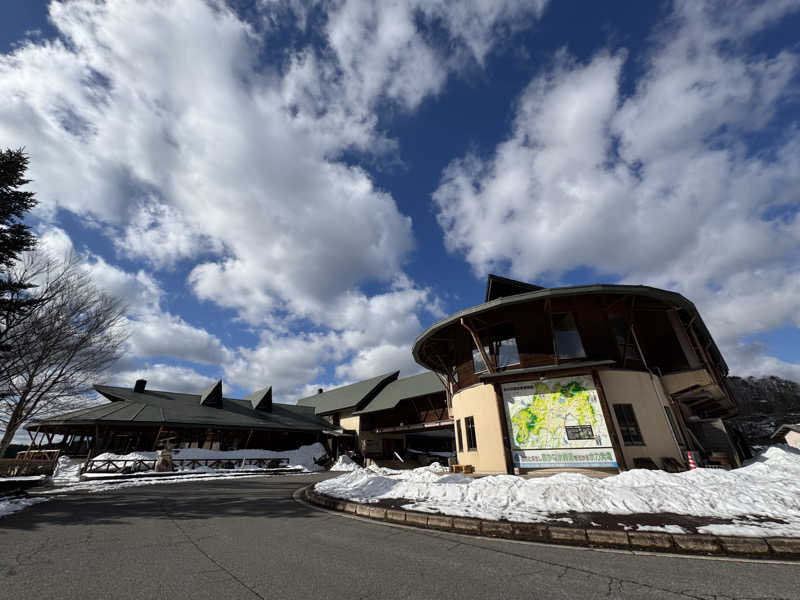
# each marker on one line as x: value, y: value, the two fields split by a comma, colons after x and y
x: 502, y: 349
x: 507, y: 353
x: 479, y: 366
x: 628, y: 426
x: 567, y: 337
x: 624, y: 338
x: 458, y: 434
x: 472, y: 441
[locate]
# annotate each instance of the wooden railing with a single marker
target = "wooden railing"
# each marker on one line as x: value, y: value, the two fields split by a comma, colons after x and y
x: 134, y: 465
x: 17, y: 467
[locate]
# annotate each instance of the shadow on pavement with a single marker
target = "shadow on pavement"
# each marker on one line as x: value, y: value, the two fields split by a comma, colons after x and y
x: 263, y: 497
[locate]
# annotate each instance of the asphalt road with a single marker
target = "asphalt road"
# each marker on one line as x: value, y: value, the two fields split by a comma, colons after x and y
x: 247, y: 538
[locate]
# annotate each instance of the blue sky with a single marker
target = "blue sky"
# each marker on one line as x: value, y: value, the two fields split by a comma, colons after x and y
x: 288, y: 193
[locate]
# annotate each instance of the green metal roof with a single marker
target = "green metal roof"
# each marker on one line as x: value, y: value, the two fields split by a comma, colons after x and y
x: 354, y: 395
x: 153, y: 407
x: 581, y: 290
x: 402, y: 389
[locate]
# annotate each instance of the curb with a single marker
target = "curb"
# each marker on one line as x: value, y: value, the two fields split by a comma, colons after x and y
x: 774, y: 548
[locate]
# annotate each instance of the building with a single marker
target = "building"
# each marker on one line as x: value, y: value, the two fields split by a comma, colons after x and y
x: 790, y: 433
x: 388, y: 417
x: 607, y: 377
x: 141, y: 419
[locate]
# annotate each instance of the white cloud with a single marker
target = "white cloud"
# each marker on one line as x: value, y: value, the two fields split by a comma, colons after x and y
x: 159, y: 122
x: 658, y: 187
x: 165, y: 377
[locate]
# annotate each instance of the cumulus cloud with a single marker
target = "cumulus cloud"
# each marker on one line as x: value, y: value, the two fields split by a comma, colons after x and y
x: 161, y: 123
x: 166, y: 377
x: 662, y: 186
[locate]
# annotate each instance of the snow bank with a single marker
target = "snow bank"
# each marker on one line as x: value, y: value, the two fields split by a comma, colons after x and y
x: 96, y: 486
x: 304, y: 456
x: 345, y: 463
x: 67, y: 470
x: 768, y: 489
x: 12, y: 505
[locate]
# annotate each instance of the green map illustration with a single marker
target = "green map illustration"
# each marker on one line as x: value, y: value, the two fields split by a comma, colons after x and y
x: 561, y: 413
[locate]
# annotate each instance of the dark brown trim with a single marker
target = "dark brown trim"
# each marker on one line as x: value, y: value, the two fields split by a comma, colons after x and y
x: 612, y: 430
x: 501, y: 409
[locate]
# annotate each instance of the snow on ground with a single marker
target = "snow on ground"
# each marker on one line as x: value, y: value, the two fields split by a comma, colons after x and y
x: 95, y: 486
x: 68, y: 470
x: 304, y: 456
x: 12, y: 505
x: 762, y: 498
x: 345, y: 463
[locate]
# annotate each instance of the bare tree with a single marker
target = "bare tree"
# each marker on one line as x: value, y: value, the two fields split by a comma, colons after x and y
x: 70, y: 337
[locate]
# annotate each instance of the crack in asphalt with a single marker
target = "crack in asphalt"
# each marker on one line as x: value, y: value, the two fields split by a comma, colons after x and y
x: 206, y: 554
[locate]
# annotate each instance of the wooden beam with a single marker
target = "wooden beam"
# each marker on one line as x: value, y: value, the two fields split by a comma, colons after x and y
x: 249, y: 435
x: 158, y: 435
x: 490, y: 367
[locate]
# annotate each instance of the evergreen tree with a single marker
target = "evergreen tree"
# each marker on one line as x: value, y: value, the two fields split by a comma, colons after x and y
x: 15, y: 238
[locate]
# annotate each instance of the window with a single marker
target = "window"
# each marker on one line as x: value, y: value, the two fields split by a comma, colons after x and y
x: 479, y: 366
x: 628, y: 426
x: 472, y: 442
x: 502, y: 349
x: 460, y: 439
x: 628, y: 350
x: 568, y: 340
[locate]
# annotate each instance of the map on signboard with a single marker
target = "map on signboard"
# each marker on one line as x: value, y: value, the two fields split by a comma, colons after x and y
x: 559, y: 413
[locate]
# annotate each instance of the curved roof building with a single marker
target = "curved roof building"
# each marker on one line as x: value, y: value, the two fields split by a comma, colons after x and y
x: 600, y: 376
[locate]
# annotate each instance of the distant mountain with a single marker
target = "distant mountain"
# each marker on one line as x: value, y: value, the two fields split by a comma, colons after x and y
x: 765, y: 395
x: 765, y: 403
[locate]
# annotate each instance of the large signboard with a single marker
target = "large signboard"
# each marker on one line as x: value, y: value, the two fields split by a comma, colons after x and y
x: 557, y: 423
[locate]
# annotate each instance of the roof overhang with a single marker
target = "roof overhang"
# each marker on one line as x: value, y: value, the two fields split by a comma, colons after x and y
x: 672, y: 298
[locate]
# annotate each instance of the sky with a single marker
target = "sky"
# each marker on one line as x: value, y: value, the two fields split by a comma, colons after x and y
x: 289, y: 193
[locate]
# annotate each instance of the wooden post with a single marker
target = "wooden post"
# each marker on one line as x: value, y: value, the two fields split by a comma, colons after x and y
x: 490, y: 367
x: 158, y: 435
x: 612, y: 431
x: 249, y: 435
x: 501, y: 411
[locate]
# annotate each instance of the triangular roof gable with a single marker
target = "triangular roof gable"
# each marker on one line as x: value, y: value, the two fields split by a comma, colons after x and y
x: 500, y: 287
x: 212, y: 395
x: 355, y: 395
x: 398, y: 390
x: 261, y: 399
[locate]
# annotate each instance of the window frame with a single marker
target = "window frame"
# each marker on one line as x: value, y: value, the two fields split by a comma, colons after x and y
x: 469, y: 426
x: 629, y: 425
x: 459, y: 438
x: 554, y: 317
x: 498, y: 334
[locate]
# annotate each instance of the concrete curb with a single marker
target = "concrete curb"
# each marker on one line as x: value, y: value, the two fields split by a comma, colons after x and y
x: 775, y: 548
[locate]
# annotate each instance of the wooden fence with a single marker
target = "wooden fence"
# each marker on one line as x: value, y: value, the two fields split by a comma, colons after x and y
x: 135, y: 465
x: 18, y: 467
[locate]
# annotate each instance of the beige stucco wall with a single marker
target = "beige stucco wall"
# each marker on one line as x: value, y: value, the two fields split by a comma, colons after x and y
x: 793, y: 439
x: 480, y: 402
x: 675, y: 382
x: 648, y: 397
x: 348, y: 421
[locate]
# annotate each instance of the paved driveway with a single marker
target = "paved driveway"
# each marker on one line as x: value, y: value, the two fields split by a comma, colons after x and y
x: 247, y: 538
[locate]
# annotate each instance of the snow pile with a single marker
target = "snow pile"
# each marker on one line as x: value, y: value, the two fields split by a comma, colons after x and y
x: 303, y: 457
x: 767, y: 490
x: 12, y: 505
x: 96, y: 486
x: 67, y: 470
x: 345, y: 463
